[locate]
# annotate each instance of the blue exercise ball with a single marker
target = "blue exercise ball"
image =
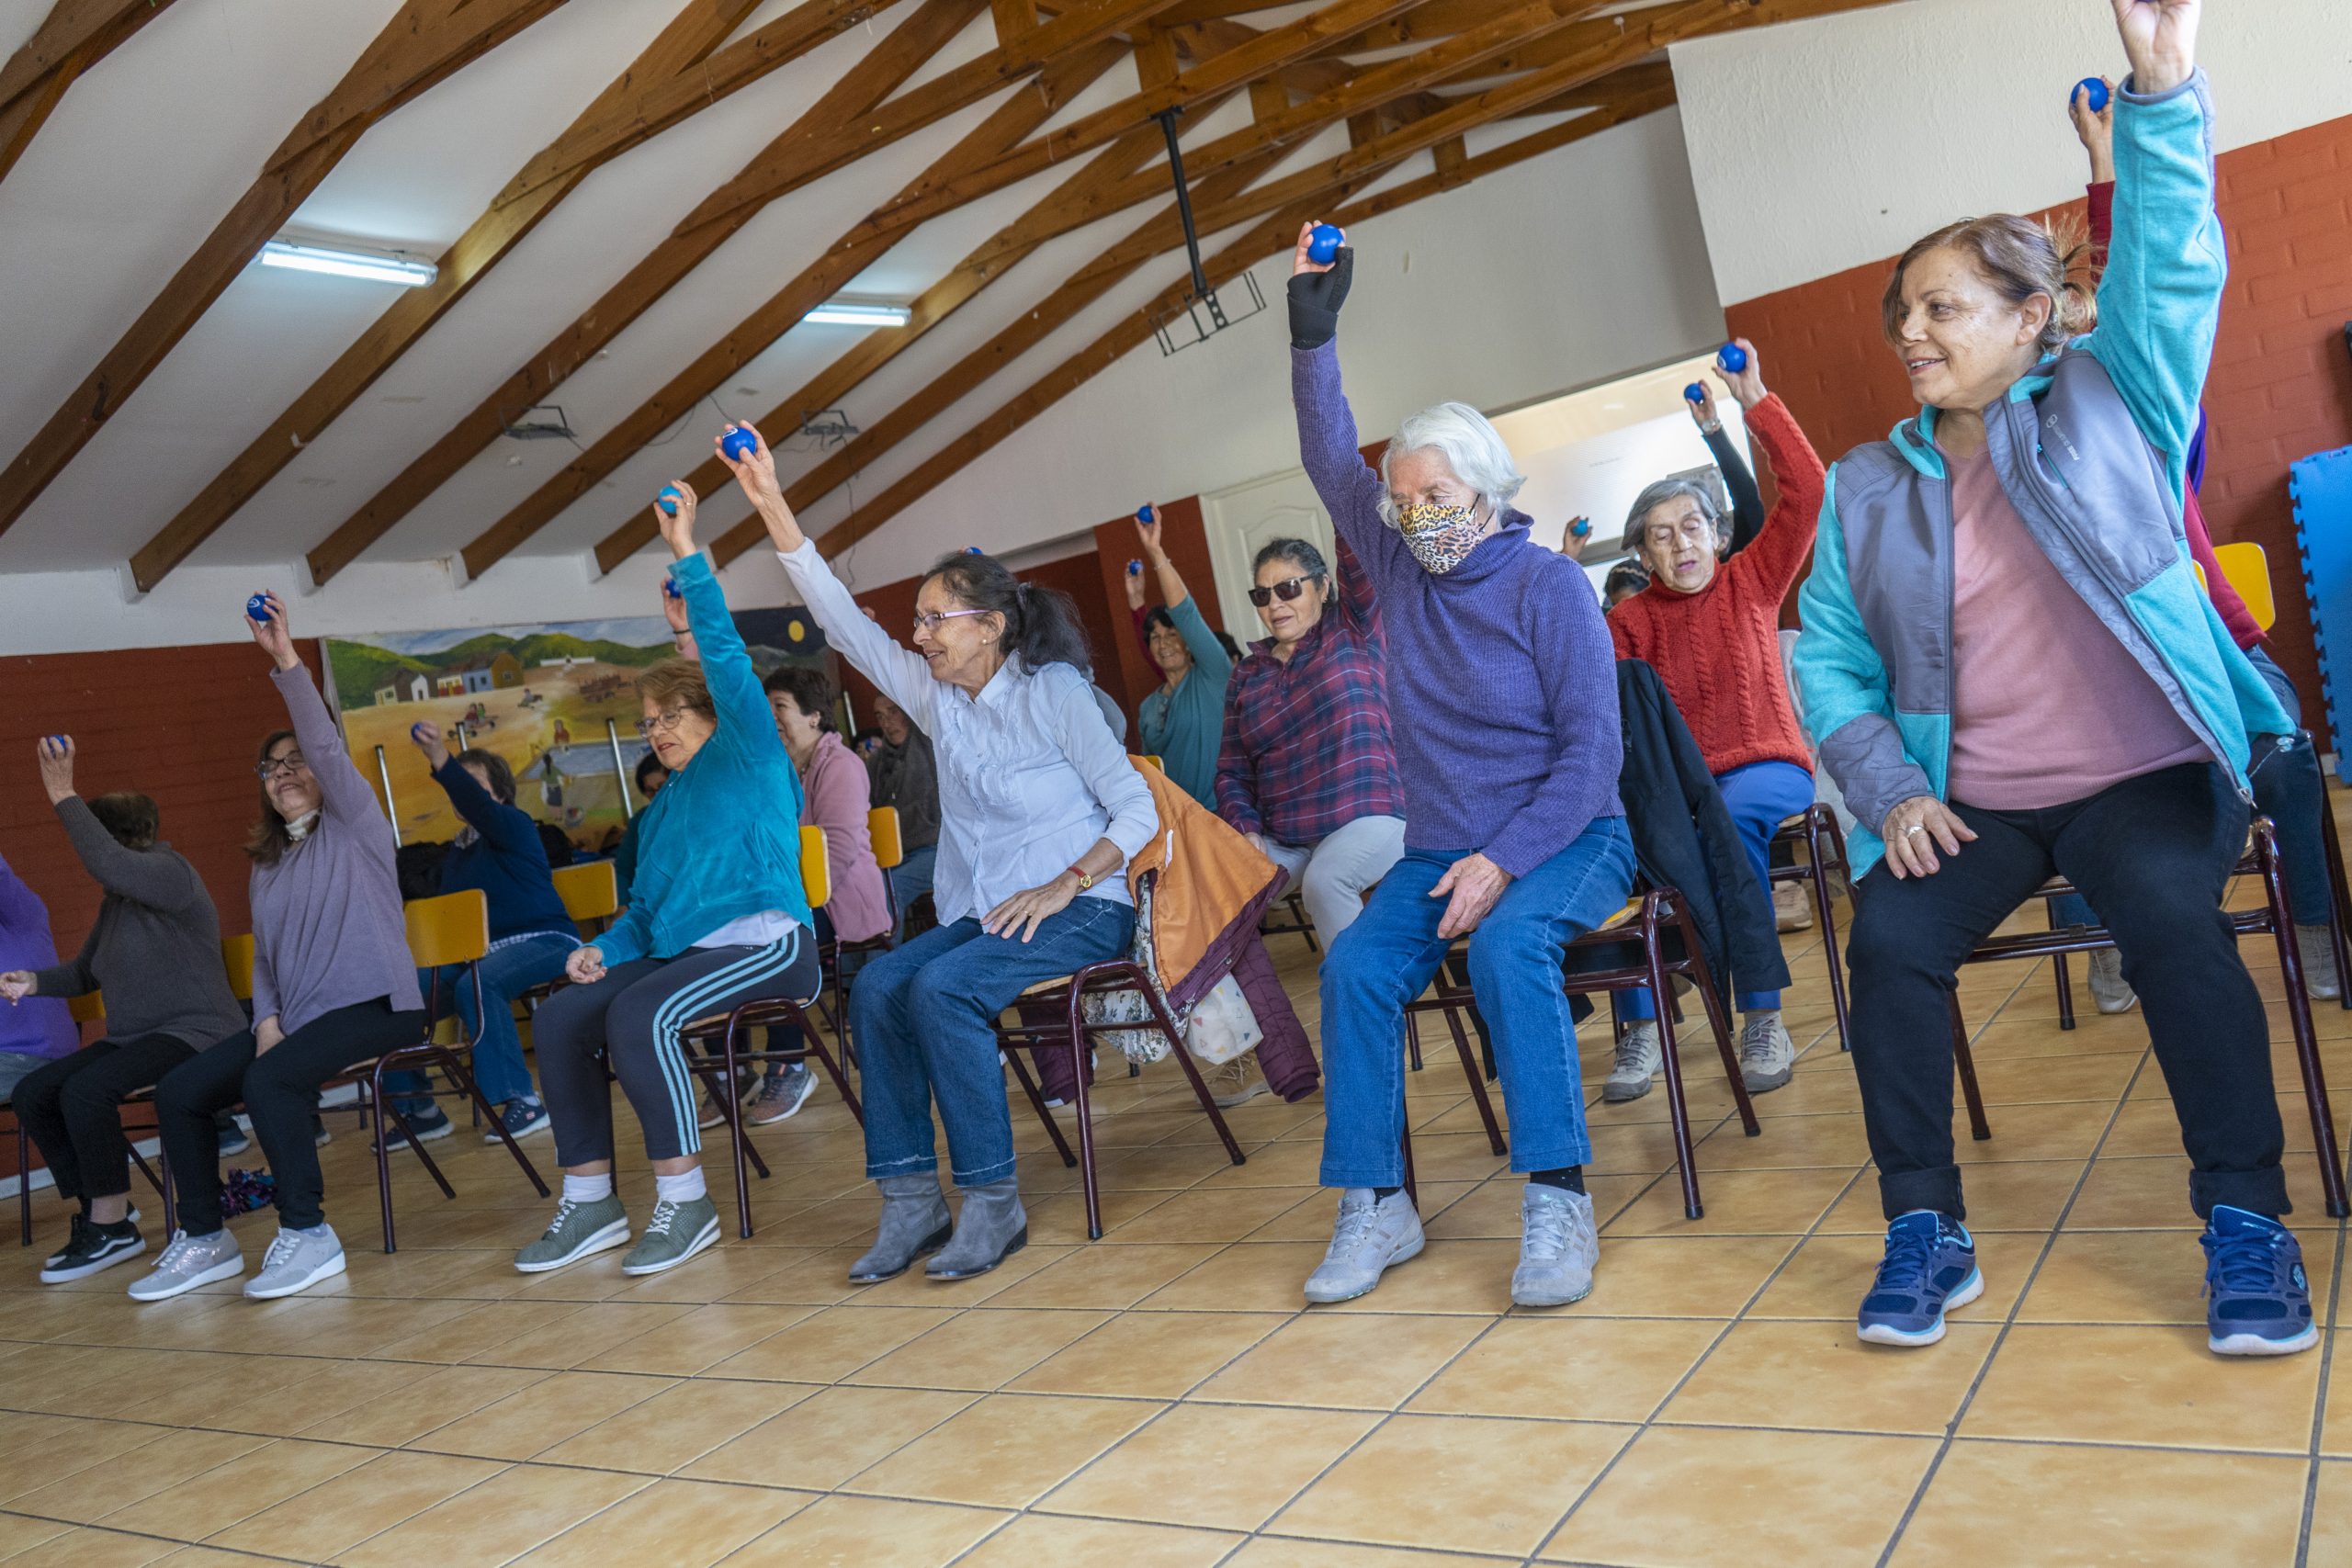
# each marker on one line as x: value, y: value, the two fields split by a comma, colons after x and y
x: 1323, y: 244
x: 257, y: 608
x: 1732, y: 357
x: 668, y: 500
x: 2094, y: 93
x: 739, y: 444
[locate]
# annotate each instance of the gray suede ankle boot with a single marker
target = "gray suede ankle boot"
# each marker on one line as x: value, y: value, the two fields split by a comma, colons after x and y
x: 915, y: 1221
x: 991, y: 1227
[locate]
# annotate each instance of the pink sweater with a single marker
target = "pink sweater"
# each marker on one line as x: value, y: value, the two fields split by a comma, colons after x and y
x: 833, y: 789
x: 2020, y: 739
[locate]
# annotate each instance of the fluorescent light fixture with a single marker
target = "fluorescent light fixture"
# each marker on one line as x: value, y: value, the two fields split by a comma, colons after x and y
x: 858, y: 313
x: 374, y: 268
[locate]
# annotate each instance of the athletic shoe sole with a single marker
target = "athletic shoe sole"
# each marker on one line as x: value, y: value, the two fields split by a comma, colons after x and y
x: 2256, y: 1345
x: 1241, y: 1097
x: 56, y: 1274
x: 400, y: 1139
x: 612, y: 1236
x: 1019, y: 1239
x: 1765, y: 1083
x: 327, y: 1270
x: 929, y: 1243
x: 1614, y: 1092
x: 1404, y: 1257
x: 228, y: 1271
x: 807, y: 1088
x: 704, y: 1240
x: 518, y: 1133
x: 1887, y: 1333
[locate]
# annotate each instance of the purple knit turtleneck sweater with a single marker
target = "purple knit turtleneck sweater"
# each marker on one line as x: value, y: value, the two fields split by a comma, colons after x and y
x: 1502, y: 684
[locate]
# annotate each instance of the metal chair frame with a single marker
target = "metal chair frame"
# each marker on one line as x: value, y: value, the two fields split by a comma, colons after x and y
x: 718, y: 1075
x: 1816, y: 829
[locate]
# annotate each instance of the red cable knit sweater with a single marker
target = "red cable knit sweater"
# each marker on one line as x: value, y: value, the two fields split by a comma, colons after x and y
x: 1719, y: 649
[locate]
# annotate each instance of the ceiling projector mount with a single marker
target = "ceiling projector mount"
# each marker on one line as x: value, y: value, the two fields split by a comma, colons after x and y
x: 1201, y: 315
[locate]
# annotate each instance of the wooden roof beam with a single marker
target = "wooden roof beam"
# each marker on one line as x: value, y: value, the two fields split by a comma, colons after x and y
x: 411, y: 54
x: 74, y: 36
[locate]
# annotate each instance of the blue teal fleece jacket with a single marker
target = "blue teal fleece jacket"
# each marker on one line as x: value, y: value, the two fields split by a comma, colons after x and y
x: 722, y: 840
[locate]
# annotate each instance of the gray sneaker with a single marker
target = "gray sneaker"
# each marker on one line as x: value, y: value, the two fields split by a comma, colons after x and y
x: 190, y: 1261
x: 579, y: 1231
x: 675, y: 1233
x: 1557, y: 1248
x: 2317, y: 946
x: 1370, y: 1235
x: 296, y: 1261
x: 2110, y: 992
x: 1766, y: 1056
x: 1639, y: 1058
x: 780, y: 1096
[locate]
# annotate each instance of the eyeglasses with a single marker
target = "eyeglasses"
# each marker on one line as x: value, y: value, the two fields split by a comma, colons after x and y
x: 271, y: 767
x: 668, y: 719
x: 930, y: 623
x: 1288, y: 589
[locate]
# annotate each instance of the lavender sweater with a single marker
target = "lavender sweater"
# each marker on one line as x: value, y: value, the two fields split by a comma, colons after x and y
x: 328, y: 927
x: 1502, y: 684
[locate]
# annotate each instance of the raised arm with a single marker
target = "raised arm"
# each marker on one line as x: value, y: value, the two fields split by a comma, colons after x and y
x: 1356, y: 599
x: 1739, y: 483
x: 162, y: 881
x: 1208, y: 654
x: 504, y: 827
x: 1236, y: 780
x: 1327, y: 443
x: 1787, y: 537
x: 345, y: 793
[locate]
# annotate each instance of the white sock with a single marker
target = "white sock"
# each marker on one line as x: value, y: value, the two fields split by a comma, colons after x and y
x: 587, y: 1188
x: 682, y: 1188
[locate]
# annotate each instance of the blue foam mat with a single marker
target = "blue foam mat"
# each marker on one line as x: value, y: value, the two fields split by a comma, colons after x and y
x: 2321, y: 487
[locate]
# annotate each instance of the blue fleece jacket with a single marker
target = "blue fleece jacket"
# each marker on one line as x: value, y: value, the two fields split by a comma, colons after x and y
x: 505, y: 860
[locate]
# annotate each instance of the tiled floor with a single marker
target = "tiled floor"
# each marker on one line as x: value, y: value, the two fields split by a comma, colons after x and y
x: 1161, y: 1400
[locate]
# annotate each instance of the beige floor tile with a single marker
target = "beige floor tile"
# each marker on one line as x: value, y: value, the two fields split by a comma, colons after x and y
x: 1592, y: 1368
x: 1829, y: 1275
x: 2135, y: 1194
x: 485, y: 1328
x: 679, y: 1524
x: 1270, y: 1165
x: 213, y: 1557
x: 430, y: 1397
x: 2010, y: 1195
x: 1679, y: 1276
x: 1691, y: 1497
x: 46, y: 1448
x: 829, y: 1437
x: 980, y: 1350
x: 1039, y: 1541
x: 2142, y: 1384
x: 19, y: 1532
x: 581, y: 1336
x: 2028, y: 1080
x: 1273, y: 1552
x: 2332, y: 1514
x: 1211, y: 1466
x: 916, y: 1288
x: 1213, y: 1214
x: 1107, y: 1278
x: 172, y: 1457
x: 868, y: 1532
x: 831, y: 1345
x: 1254, y: 1277
x: 1786, y: 1142
x: 87, y: 1547
x: 677, y: 1426
x: 539, y: 1417
x: 205, y: 1505
x: 1472, y: 1276
x: 1360, y: 1360
x: 814, y: 1279
x: 370, y: 1498
x: 2092, y: 1507
x: 694, y: 1342
x: 498, y: 1520
x: 1738, y: 1203
x: 1818, y: 1374
x: 1149, y: 1355
x: 2068, y: 1130
x: 1005, y: 1451
x: 2133, y: 1276
x: 1473, y: 1483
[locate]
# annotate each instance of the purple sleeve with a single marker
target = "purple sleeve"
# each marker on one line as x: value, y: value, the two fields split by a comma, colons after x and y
x: 344, y: 793
x: 1578, y: 669
x: 21, y: 906
x: 1328, y: 449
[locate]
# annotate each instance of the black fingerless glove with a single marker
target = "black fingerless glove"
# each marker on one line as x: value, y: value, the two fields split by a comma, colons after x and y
x: 1316, y: 299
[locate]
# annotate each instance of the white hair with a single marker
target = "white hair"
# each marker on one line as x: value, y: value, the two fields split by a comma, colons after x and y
x: 1657, y: 494
x: 1471, y: 447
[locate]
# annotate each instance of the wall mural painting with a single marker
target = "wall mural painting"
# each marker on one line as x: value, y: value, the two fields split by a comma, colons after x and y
x: 551, y: 700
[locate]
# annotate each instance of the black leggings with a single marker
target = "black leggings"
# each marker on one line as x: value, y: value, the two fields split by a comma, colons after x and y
x: 2154, y: 853
x: 73, y: 1108
x: 280, y: 1089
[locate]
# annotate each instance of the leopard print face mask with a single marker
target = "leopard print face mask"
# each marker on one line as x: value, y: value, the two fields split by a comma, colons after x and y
x: 1440, y: 538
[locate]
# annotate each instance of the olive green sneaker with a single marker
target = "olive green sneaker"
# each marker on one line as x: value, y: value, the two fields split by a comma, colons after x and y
x: 579, y: 1231
x: 675, y: 1233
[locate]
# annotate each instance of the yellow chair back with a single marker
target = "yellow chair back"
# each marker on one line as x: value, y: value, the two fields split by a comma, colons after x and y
x: 816, y: 875
x: 451, y: 929
x: 1153, y: 759
x: 882, y: 826
x: 2248, y: 570
x: 590, y: 891
x: 87, y: 1010
x: 237, y: 958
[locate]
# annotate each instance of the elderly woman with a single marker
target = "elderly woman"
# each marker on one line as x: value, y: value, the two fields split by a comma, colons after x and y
x: 1509, y: 744
x: 717, y: 917
x: 1039, y: 809
x: 2012, y: 670
x: 1307, y: 769
x: 1182, y: 722
x: 1709, y: 628
x: 902, y: 774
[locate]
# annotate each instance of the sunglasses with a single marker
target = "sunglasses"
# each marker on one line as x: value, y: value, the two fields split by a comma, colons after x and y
x: 1288, y: 589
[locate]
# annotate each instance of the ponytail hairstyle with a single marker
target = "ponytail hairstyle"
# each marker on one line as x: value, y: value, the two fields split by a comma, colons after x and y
x: 2020, y: 258
x: 1040, y: 625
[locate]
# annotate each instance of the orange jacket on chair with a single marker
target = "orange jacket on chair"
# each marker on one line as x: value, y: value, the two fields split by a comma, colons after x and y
x: 1213, y: 888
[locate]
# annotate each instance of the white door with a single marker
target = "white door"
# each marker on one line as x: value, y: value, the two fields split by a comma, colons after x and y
x: 1240, y: 520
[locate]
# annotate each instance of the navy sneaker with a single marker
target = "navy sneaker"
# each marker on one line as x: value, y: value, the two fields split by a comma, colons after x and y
x: 2257, y: 1301
x: 523, y: 1115
x: 1929, y: 1268
x: 430, y: 1123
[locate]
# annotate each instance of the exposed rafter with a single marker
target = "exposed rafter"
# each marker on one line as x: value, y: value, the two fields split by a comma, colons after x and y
x: 421, y: 45
x: 824, y: 139
x: 684, y: 48
x: 75, y: 35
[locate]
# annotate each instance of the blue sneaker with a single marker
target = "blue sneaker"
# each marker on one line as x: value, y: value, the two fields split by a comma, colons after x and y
x: 1930, y: 1268
x: 523, y: 1115
x: 2257, y: 1301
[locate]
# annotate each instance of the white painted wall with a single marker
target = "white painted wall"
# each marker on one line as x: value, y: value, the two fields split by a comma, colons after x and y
x: 1820, y: 145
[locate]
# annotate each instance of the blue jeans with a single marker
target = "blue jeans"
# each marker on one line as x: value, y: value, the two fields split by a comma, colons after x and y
x: 1386, y: 959
x: 498, y: 1048
x: 911, y: 879
x: 923, y: 1015
x: 2288, y: 790
x: 1761, y: 795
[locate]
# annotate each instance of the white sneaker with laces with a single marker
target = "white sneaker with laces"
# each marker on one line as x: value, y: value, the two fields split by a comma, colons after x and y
x: 188, y: 1262
x: 296, y: 1261
x: 1371, y: 1234
x: 1558, y: 1246
x: 2110, y: 992
x: 1639, y: 1057
x: 1766, y: 1056
x: 2316, y: 944
x: 1236, y: 1082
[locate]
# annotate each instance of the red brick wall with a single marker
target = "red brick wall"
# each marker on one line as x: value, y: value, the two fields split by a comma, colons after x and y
x: 2282, y: 382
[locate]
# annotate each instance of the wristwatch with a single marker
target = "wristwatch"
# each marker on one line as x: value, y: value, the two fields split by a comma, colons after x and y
x: 1084, y: 881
